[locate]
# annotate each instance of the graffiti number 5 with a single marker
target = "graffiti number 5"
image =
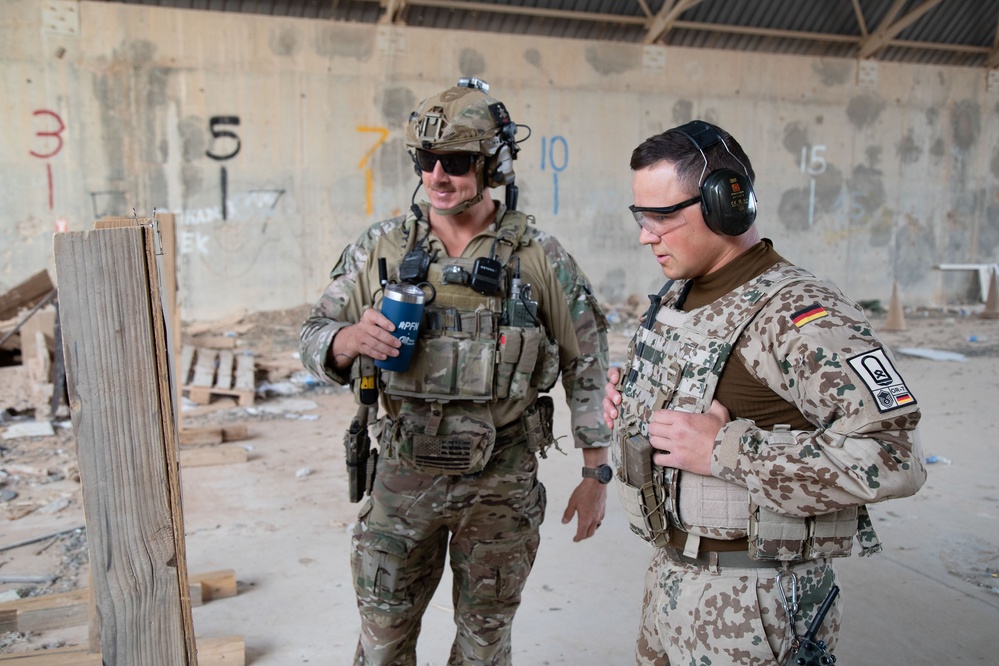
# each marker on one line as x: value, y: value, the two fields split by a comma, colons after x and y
x: 217, y: 133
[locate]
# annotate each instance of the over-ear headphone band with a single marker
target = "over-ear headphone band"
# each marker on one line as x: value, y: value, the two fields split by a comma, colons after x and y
x: 728, y: 203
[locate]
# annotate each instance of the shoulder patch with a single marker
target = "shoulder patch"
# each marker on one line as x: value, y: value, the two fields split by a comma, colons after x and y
x: 881, y: 378
x: 809, y: 314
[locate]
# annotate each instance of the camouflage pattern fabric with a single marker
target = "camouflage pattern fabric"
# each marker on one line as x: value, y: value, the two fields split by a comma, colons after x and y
x: 815, y: 349
x: 492, y: 517
x: 731, y: 617
x: 402, y: 536
x: 459, y: 121
x: 566, y: 307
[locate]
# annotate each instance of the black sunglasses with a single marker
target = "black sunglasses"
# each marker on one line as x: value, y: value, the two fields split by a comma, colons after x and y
x: 454, y: 164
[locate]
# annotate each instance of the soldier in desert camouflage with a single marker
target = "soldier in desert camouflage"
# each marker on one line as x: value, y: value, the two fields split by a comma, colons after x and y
x: 508, y: 311
x: 757, y: 415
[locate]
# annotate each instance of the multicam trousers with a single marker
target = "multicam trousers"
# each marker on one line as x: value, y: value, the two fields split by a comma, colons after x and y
x: 489, y: 523
x: 693, y: 616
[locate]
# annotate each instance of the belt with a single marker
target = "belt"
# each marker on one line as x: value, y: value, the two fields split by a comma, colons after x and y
x: 716, y: 552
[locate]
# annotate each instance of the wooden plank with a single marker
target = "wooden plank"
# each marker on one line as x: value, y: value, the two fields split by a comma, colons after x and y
x: 224, y: 403
x: 204, y: 435
x: 42, y: 322
x: 219, y: 584
x: 224, y: 378
x: 117, y: 367
x: 221, y: 651
x: 244, y: 372
x: 215, y: 341
x: 25, y: 294
x: 223, y: 454
x: 65, y: 656
x: 201, y: 436
x: 186, y: 363
x: 70, y: 609
x: 205, y: 360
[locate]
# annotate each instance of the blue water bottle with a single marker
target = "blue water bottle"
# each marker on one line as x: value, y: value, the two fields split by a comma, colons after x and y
x: 403, y: 305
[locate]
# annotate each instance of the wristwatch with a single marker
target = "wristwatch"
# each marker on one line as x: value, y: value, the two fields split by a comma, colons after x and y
x: 603, y: 473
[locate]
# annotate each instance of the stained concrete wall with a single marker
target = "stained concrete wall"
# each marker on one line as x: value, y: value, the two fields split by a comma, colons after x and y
x: 276, y: 141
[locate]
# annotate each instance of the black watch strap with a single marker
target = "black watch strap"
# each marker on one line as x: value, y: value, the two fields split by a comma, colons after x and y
x: 603, y: 473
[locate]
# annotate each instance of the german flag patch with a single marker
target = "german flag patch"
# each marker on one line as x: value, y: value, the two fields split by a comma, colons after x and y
x: 809, y: 314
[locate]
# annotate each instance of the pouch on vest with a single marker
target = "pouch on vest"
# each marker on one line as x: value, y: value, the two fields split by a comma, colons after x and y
x: 711, y: 507
x: 446, y: 368
x: 641, y: 496
x: 538, y: 422
x: 773, y: 536
x: 451, y: 438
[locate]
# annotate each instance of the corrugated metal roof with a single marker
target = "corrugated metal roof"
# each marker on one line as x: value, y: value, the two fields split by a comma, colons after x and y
x: 939, y: 32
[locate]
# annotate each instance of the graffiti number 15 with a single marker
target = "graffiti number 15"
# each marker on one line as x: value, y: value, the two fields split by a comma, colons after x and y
x: 812, y: 161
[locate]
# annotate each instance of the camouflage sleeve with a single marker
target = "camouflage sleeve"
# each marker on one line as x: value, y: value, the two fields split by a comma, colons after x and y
x: 584, y: 373
x: 341, y: 305
x: 816, y: 349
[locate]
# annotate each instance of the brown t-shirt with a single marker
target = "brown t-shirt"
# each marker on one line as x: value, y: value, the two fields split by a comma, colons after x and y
x: 739, y: 390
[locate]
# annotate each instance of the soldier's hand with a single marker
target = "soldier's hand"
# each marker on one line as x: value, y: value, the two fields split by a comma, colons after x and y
x: 612, y: 398
x: 589, y: 503
x: 371, y: 336
x: 686, y: 440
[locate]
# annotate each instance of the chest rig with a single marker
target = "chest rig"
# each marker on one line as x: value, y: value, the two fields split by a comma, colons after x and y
x: 675, y: 361
x: 480, y: 341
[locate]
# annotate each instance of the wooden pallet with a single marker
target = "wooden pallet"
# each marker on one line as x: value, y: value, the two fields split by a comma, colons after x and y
x: 206, y: 372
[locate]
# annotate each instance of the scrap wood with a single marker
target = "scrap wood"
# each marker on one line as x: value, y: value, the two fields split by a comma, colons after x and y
x: 25, y: 295
x: 206, y: 372
x: 70, y: 609
x: 212, y: 651
x: 198, y: 436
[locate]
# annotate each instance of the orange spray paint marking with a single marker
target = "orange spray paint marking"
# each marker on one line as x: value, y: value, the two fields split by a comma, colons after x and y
x: 369, y: 178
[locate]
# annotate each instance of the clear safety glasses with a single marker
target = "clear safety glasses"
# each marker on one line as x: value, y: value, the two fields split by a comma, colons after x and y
x: 656, y: 220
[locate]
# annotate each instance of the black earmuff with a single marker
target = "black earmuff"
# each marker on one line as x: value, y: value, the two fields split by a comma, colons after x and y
x: 728, y: 202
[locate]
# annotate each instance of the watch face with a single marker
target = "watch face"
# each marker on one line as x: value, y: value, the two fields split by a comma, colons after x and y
x: 603, y: 473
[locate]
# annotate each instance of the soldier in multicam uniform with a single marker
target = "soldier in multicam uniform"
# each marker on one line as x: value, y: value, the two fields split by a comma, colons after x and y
x: 756, y: 416
x: 507, y: 311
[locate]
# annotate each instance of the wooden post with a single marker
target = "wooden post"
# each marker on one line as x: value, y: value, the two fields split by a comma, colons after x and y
x: 122, y: 406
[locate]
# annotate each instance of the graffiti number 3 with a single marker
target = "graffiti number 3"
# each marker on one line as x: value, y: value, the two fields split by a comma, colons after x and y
x: 56, y: 134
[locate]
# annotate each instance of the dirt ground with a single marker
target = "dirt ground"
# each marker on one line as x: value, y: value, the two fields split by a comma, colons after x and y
x: 281, y: 520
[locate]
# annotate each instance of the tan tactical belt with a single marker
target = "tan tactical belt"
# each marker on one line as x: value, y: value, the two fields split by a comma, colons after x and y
x: 678, y: 540
x: 716, y: 552
x: 739, y: 560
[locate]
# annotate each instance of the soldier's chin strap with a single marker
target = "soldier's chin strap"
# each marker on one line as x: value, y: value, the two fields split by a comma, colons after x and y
x: 460, y: 208
x: 468, y: 203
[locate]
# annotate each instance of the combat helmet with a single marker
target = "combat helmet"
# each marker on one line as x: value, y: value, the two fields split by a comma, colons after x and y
x: 464, y: 118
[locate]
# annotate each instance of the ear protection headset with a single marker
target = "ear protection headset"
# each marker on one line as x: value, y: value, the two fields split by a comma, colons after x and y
x: 728, y: 202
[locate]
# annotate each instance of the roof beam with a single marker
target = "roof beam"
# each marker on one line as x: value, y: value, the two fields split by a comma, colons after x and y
x: 666, y: 18
x: 393, y: 8
x: 993, y: 60
x: 861, y: 23
x: 564, y: 14
x: 890, y: 28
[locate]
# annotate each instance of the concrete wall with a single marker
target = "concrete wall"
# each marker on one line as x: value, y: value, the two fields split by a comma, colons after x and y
x: 866, y: 172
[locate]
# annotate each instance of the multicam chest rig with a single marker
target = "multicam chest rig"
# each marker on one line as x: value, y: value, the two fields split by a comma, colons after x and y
x: 675, y: 361
x: 480, y: 342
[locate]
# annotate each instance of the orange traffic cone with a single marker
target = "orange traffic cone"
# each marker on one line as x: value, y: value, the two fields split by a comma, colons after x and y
x: 991, y: 310
x: 896, y: 317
